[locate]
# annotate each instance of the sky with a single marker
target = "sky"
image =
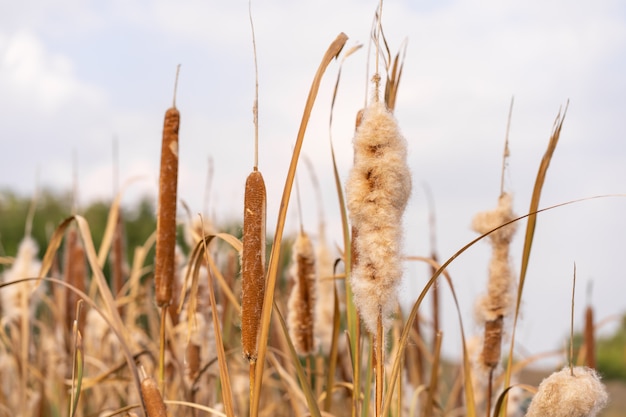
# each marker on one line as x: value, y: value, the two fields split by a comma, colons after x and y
x: 77, y: 76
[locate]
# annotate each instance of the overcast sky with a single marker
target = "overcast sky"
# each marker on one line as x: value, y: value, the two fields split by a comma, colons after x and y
x: 76, y: 74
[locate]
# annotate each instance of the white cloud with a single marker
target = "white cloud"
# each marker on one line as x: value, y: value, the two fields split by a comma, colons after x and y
x: 45, y: 79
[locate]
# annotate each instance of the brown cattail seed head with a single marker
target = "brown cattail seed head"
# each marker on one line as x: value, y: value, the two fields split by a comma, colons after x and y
x: 377, y: 190
x: 253, y: 263
x: 301, y: 304
x: 75, y: 275
x: 565, y: 395
x: 166, y: 212
x: 155, y: 407
x: 325, y: 306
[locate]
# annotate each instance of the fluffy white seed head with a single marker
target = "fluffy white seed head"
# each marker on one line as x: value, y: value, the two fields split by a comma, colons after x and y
x: 499, y: 298
x: 564, y: 395
x: 377, y: 190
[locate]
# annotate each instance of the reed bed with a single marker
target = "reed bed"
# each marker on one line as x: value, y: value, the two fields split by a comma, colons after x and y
x: 185, y: 334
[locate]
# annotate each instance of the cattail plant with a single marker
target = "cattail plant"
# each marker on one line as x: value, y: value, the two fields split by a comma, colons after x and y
x: 75, y: 274
x: 498, y: 302
x: 166, y: 218
x: 377, y: 190
x: 570, y: 392
x: 253, y: 262
x: 301, y: 304
x: 165, y: 265
x: 253, y: 240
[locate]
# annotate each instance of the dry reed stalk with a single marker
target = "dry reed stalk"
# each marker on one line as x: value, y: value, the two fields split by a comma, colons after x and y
x: 565, y: 395
x: 253, y: 263
x: 155, y: 407
x: 301, y: 304
x: 166, y: 219
x: 377, y: 191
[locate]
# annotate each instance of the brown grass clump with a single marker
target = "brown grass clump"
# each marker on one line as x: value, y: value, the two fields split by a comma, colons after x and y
x: 564, y: 394
x: 166, y: 220
x: 301, y: 315
x: 253, y: 262
x: 378, y: 189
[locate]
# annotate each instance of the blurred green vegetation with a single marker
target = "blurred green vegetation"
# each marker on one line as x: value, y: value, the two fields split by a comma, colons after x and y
x: 611, y: 354
x: 51, y: 208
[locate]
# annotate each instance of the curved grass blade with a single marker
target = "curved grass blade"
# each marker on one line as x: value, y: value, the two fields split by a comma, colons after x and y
x: 304, y: 384
x: 272, y: 271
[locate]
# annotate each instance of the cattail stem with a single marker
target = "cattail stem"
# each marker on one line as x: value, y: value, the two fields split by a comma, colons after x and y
x: 164, y: 266
x: 380, y: 364
x: 162, y: 336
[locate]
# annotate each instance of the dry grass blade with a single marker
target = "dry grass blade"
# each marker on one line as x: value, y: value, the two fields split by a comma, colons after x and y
x: 112, y: 218
x: 78, y: 362
x: 531, y: 224
x: 500, y: 402
x: 534, y: 203
x: 112, y: 315
x: 402, y: 343
x: 272, y: 272
x: 304, y: 384
x: 434, y: 377
x: 332, y: 358
x: 351, y: 314
x: 227, y: 396
x: 393, y: 77
x: 200, y: 407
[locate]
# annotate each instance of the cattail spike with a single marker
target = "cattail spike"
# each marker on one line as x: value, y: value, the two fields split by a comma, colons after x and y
x: 166, y: 218
x: 301, y: 304
x: 155, y: 407
x: 253, y: 262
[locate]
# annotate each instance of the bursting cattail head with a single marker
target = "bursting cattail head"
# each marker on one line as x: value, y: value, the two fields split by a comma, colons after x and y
x: 565, y: 395
x: 301, y: 304
x: 499, y: 298
x: 166, y: 211
x: 253, y: 263
x: 377, y: 190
